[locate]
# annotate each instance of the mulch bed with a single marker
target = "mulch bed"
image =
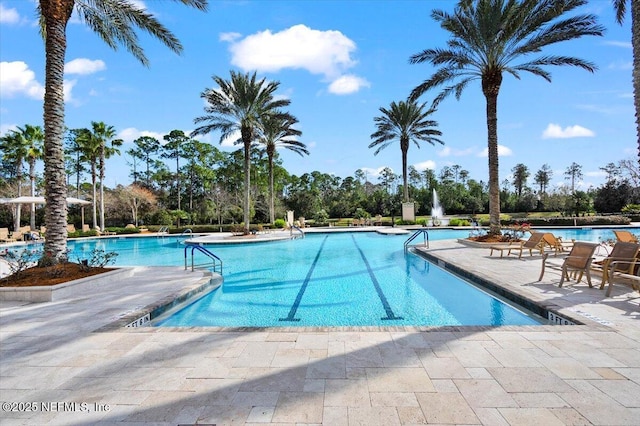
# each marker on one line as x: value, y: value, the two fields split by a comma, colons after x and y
x: 50, y: 275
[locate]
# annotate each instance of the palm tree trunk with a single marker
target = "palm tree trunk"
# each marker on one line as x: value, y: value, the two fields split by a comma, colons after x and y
x: 16, y: 217
x: 635, y: 41
x: 491, y: 89
x: 56, y: 16
x: 178, y: 178
x: 101, y: 171
x: 95, y: 200
x: 32, y: 179
x: 272, y: 213
x: 404, y: 147
x: 246, y: 139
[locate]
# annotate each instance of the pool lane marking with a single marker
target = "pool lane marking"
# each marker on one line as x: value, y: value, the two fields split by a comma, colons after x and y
x: 303, y: 288
x: 376, y: 284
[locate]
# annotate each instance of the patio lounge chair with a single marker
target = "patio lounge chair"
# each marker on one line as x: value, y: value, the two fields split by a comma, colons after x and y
x: 625, y: 256
x: 535, y: 242
x: 625, y: 237
x: 578, y: 261
x: 625, y: 271
x: 557, y: 244
x: 4, y: 236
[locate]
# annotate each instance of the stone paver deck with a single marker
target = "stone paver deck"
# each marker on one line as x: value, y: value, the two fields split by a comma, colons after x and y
x: 55, y: 363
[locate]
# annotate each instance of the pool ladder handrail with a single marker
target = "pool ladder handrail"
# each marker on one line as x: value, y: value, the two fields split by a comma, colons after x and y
x: 187, y: 231
x: 425, y: 235
x: 215, y: 260
x: 294, y: 236
x: 164, y: 230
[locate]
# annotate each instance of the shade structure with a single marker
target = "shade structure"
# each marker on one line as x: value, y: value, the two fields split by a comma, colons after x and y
x: 40, y: 200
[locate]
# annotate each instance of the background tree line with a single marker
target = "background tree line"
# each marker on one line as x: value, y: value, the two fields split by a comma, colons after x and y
x: 183, y: 180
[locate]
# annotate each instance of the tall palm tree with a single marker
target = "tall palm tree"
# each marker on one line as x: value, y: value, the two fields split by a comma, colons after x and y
x: 115, y: 21
x: 15, y: 148
x: 405, y: 121
x: 276, y: 131
x: 487, y: 38
x: 107, y: 146
x: 89, y: 147
x: 34, y: 136
x: 620, y: 7
x: 238, y: 105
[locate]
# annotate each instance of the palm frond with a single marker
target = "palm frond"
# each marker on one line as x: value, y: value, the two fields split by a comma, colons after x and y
x: 620, y: 6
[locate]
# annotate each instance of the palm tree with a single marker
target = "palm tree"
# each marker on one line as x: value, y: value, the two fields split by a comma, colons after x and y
x: 620, y: 7
x: 34, y: 136
x: 103, y: 135
x: 15, y: 149
x: 407, y: 122
x: 89, y: 148
x: 238, y: 105
x: 115, y: 22
x: 276, y: 130
x: 487, y: 38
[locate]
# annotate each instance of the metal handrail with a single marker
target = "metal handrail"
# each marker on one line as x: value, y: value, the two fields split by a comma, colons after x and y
x: 187, y: 231
x: 425, y: 235
x: 297, y: 229
x: 207, y: 253
x: 163, y: 230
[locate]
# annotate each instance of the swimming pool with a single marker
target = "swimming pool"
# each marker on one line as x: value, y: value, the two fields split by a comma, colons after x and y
x: 341, y: 279
x: 325, y: 280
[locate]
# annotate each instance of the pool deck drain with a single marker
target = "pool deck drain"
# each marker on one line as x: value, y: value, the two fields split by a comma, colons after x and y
x: 583, y: 374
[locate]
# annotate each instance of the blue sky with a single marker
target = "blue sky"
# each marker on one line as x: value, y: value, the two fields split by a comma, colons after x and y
x: 338, y: 62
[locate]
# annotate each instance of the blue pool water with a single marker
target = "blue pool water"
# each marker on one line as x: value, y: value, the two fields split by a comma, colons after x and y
x: 341, y: 279
x: 327, y: 280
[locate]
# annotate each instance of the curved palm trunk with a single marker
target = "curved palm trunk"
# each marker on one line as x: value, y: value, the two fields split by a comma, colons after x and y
x: 404, y: 147
x: 272, y: 214
x: 635, y: 41
x: 56, y: 15
x: 491, y: 88
x: 246, y: 139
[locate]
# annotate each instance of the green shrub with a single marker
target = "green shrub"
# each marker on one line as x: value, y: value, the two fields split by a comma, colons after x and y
x: 459, y: 222
x: 279, y: 223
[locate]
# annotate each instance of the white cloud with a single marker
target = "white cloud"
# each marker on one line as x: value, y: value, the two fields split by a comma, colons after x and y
x: 68, y: 87
x: 5, y: 128
x: 448, y: 151
x: 17, y: 79
x: 230, y: 37
x: 429, y: 164
x: 503, y: 151
x: 625, y: 44
x: 598, y: 173
x: 621, y: 65
x: 373, y: 173
x: 131, y: 133
x: 84, y: 66
x: 232, y: 139
x: 554, y: 131
x: 8, y: 16
x: 326, y: 53
x: 347, y: 84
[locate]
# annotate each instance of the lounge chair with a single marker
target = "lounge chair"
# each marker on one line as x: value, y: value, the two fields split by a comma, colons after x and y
x: 4, y: 236
x: 71, y: 228
x: 625, y: 271
x: 625, y: 254
x: 578, y: 261
x: 535, y: 242
x: 625, y: 237
x: 557, y: 244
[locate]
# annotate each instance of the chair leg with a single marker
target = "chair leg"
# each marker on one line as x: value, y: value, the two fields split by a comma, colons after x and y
x: 564, y: 274
x: 544, y: 258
